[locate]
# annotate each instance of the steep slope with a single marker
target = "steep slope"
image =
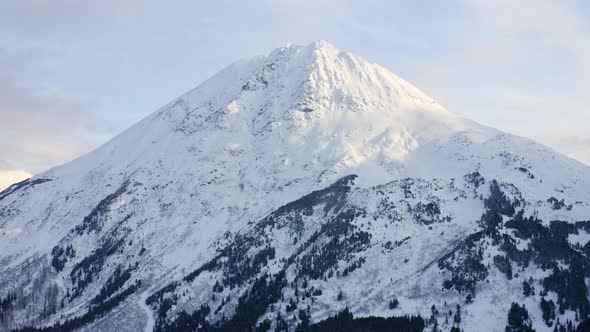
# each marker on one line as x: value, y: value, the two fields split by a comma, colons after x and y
x: 296, y: 185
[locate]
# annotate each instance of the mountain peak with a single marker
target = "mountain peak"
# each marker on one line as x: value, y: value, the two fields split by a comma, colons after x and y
x: 299, y: 94
x: 314, y: 77
x: 318, y: 46
x: 326, y: 112
x: 323, y: 46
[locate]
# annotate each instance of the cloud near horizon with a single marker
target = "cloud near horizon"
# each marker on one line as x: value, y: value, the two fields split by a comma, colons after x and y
x: 41, y: 127
x: 8, y: 178
x: 10, y: 175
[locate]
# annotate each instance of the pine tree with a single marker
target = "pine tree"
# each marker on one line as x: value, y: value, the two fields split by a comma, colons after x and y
x: 526, y: 288
x: 393, y: 303
x: 518, y: 319
x: 548, y: 308
x: 457, y: 318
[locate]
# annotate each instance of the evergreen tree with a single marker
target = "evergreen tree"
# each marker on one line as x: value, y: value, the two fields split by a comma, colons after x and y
x: 518, y: 319
x: 393, y: 303
x: 548, y: 309
x: 526, y: 288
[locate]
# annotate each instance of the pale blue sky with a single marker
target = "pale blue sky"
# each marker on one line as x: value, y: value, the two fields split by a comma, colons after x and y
x: 75, y: 73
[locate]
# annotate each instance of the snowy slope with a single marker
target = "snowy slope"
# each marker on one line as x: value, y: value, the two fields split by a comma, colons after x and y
x: 197, y: 180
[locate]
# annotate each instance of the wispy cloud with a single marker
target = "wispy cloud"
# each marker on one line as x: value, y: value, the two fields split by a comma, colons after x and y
x: 10, y: 174
x: 547, y: 43
x: 64, y: 19
x: 40, y: 126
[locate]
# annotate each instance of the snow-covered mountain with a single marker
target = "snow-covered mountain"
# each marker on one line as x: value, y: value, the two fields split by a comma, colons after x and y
x: 301, y: 189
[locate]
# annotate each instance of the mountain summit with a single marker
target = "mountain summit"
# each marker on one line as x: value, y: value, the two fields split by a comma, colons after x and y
x: 300, y: 190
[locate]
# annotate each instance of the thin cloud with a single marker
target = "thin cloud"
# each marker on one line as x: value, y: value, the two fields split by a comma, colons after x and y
x: 10, y: 174
x: 40, y: 127
x: 65, y: 19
